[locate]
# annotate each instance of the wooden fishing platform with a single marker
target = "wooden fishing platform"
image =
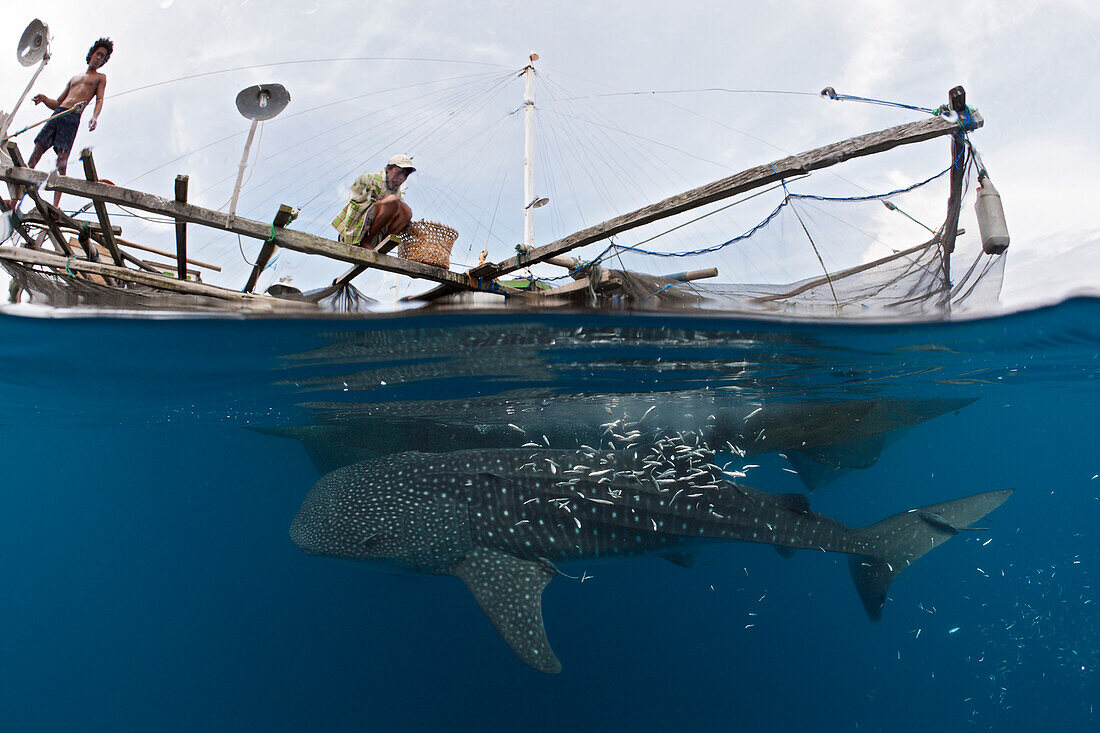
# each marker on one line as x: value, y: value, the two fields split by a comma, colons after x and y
x: 92, y: 252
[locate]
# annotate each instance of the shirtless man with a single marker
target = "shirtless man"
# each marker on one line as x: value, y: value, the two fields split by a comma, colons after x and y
x: 60, y: 132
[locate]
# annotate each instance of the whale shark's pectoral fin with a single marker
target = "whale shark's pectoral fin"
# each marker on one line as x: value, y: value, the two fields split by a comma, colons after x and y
x: 509, y: 591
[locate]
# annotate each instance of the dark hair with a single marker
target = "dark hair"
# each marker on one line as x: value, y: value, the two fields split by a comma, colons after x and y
x: 105, y: 43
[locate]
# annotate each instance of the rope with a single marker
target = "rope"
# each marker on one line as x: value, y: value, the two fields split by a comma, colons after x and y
x: 798, y: 216
x: 301, y: 61
x: 79, y: 106
x: 830, y: 93
x: 787, y: 201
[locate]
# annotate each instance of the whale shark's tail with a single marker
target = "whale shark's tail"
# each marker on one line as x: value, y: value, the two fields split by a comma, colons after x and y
x: 901, y: 539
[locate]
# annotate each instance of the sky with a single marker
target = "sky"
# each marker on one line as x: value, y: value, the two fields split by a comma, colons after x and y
x: 437, y: 80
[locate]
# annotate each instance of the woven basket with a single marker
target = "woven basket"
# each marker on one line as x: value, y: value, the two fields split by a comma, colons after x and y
x: 428, y: 242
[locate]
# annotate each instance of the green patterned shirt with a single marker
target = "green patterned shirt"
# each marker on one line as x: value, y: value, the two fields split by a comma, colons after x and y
x: 358, y: 213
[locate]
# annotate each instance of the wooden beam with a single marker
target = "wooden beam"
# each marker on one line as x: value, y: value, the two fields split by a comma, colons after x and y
x: 287, y: 238
x: 100, y: 208
x: 284, y: 216
x: 43, y: 208
x: 26, y: 256
x: 690, y: 275
x: 181, y: 229
x: 153, y: 250
x: 164, y: 268
x: 823, y: 157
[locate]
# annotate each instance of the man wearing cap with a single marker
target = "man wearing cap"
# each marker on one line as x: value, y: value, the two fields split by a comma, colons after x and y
x: 375, y: 206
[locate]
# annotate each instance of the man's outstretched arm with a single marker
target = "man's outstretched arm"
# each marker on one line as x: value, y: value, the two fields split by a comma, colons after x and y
x: 52, y: 103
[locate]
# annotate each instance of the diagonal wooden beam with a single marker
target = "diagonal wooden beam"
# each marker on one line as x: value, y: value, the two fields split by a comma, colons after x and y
x: 823, y: 157
x: 286, y: 238
x: 284, y: 216
x: 101, y: 209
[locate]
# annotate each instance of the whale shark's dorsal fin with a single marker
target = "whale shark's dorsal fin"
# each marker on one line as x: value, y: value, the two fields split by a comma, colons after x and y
x: 509, y: 591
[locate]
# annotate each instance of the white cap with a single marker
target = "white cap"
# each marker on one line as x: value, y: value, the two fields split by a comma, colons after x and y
x: 402, y: 161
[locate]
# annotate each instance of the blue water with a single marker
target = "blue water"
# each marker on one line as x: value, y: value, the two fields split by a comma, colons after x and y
x: 149, y: 582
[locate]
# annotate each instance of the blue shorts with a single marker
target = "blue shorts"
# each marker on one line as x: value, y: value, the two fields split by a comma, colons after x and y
x: 60, y: 132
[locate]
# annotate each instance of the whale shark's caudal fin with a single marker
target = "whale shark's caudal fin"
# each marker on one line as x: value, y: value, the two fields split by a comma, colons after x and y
x: 901, y: 539
x: 509, y: 591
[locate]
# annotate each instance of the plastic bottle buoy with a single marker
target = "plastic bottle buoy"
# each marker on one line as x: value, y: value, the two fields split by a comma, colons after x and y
x: 991, y: 218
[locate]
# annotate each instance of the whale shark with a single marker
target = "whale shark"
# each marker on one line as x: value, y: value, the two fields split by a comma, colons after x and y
x: 500, y: 519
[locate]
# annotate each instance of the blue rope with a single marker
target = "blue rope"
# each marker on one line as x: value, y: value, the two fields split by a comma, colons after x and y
x: 663, y: 289
x: 885, y: 103
x: 788, y: 197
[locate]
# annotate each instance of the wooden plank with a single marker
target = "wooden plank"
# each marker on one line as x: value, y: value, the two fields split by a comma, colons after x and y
x: 284, y: 216
x: 20, y: 174
x: 287, y: 238
x: 26, y: 256
x: 181, y: 229
x: 823, y: 157
x: 44, y: 209
x: 100, y: 208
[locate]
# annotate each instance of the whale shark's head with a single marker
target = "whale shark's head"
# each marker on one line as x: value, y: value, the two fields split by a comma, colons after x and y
x: 395, y: 510
x: 343, y: 516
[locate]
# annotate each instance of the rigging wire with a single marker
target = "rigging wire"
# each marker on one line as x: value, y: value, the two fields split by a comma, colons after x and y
x: 283, y: 118
x: 299, y: 62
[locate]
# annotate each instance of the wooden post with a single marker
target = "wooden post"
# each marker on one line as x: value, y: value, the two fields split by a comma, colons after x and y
x: 181, y: 229
x: 101, y: 208
x: 957, y: 99
x: 284, y: 216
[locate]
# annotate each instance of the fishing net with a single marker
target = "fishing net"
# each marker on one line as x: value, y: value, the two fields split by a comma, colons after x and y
x: 798, y: 249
